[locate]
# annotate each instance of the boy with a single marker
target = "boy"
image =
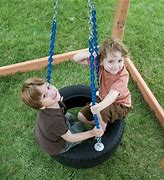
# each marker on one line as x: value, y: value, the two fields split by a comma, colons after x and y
x: 53, y: 132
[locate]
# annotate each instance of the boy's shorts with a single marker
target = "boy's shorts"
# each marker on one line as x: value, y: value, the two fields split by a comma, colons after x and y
x: 111, y: 113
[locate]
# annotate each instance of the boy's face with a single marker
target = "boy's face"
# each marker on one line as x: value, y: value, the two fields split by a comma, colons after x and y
x: 50, y: 95
x: 113, y: 62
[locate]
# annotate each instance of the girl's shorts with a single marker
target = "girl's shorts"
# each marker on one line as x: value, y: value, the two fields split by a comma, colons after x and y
x: 111, y: 113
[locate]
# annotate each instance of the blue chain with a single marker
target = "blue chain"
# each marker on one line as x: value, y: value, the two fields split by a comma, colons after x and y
x: 51, y: 52
x: 92, y: 79
x: 94, y: 29
x: 52, y: 42
x: 93, y: 48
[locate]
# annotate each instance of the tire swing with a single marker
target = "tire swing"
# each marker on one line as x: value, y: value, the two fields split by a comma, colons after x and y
x: 88, y: 153
x: 84, y: 155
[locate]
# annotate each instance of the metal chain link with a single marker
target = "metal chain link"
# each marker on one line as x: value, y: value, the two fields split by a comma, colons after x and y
x: 55, y: 9
x: 91, y: 7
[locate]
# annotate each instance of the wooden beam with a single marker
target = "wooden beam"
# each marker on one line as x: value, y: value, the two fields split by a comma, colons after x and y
x: 121, y: 13
x: 146, y: 92
x: 35, y: 64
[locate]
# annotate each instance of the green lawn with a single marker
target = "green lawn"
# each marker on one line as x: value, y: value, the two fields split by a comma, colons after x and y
x: 25, y: 32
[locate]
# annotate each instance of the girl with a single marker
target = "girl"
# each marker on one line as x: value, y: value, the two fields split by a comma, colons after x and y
x: 113, y: 96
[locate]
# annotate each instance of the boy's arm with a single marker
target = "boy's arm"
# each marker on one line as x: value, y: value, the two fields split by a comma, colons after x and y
x: 81, y: 57
x: 68, y: 136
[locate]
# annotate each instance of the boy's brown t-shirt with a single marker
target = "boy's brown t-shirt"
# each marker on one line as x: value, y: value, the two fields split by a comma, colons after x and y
x: 51, y: 125
x: 117, y: 82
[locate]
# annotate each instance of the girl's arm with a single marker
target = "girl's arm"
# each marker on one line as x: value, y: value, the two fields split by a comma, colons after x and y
x: 108, y: 100
x: 81, y: 57
x: 68, y: 136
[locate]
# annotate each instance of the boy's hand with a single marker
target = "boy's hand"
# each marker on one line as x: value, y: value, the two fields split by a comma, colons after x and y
x: 97, y: 132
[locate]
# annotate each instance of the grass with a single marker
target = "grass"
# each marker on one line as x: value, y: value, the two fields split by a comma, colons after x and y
x: 24, y: 32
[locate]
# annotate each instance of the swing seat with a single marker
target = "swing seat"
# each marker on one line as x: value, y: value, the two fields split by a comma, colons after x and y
x: 84, y: 155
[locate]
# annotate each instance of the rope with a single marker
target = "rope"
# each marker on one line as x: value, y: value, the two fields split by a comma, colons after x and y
x: 52, y: 42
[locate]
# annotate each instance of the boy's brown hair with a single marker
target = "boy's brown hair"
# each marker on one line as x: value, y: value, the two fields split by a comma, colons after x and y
x: 30, y: 95
x: 112, y: 44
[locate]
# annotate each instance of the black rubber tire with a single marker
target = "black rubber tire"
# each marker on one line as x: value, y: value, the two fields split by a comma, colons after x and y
x: 84, y: 155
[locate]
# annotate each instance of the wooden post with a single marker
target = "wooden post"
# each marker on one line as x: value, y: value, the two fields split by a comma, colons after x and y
x: 121, y: 13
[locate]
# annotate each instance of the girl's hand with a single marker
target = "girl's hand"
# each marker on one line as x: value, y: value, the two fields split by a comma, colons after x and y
x: 95, y: 109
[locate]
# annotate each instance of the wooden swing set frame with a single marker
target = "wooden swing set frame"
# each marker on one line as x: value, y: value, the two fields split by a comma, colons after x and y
x: 118, y: 29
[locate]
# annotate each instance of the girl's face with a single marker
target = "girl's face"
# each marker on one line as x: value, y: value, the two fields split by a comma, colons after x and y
x: 50, y: 95
x: 113, y: 62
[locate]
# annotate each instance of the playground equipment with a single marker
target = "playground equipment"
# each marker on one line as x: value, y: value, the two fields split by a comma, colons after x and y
x: 117, y: 31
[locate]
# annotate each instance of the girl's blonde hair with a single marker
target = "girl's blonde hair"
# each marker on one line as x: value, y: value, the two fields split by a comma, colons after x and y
x: 112, y: 45
x: 30, y: 94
